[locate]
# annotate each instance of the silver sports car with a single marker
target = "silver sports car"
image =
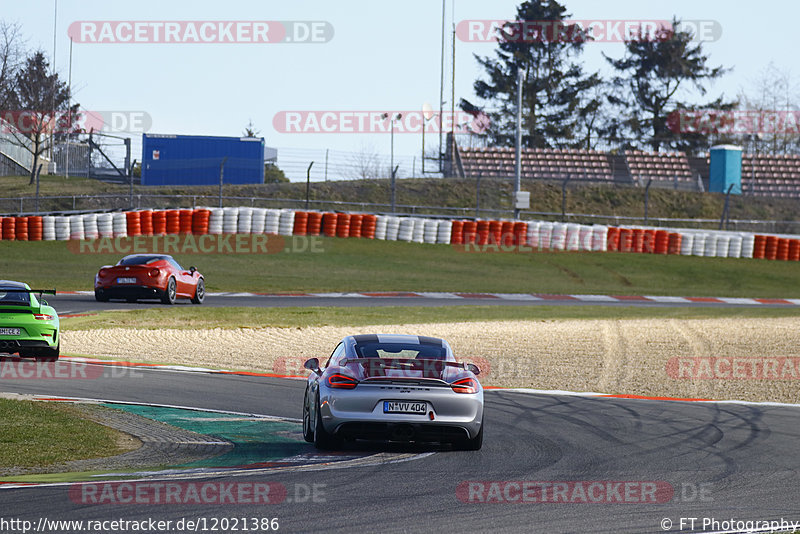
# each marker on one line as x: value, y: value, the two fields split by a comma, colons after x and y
x: 393, y: 388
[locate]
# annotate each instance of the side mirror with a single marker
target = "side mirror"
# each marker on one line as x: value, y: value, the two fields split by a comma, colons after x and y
x: 471, y: 367
x: 313, y: 365
x: 192, y: 269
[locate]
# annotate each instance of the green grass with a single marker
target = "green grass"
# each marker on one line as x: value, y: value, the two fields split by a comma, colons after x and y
x: 200, y: 317
x: 34, y: 434
x: 373, y: 265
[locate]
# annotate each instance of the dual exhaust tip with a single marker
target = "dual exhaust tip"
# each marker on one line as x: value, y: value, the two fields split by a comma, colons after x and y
x: 9, y: 344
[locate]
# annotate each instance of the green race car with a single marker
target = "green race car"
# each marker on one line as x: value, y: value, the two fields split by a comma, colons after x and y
x: 28, y: 326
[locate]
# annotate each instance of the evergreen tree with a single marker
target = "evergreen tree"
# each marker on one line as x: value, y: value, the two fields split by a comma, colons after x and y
x: 652, y: 75
x: 555, y: 109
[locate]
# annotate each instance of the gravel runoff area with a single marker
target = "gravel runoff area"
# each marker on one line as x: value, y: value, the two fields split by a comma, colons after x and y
x: 741, y: 358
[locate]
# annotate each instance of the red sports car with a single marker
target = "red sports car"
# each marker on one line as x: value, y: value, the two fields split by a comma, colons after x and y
x: 149, y: 276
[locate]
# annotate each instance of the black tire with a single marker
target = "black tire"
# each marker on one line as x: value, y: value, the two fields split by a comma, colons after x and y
x: 322, y: 439
x: 308, y: 432
x: 48, y: 354
x: 170, y: 293
x: 199, y: 292
x: 473, y: 444
x: 100, y: 298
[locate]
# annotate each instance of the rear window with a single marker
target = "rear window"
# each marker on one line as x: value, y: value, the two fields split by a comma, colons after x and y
x: 401, y: 350
x: 15, y: 298
x: 139, y: 260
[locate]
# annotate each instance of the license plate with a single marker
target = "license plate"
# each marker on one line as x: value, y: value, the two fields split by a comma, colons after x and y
x: 9, y: 331
x: 126, y: 280
x: 405, y: 407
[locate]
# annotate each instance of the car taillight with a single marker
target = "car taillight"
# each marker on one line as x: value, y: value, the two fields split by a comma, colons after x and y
x: 42, y: 316
x: 154, y: 273
x: 339, y: 381
x: 102, y: 273
x: 465, y: 385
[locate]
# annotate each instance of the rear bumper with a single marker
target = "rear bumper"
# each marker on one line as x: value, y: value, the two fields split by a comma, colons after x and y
x: 129, y: 291
x: 359, y: 413
x: 426, y: 432
x: 12, y: 346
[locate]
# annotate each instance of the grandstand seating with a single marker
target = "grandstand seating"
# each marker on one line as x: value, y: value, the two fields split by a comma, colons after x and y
x: 537, y: 163
x: 771, y: 175
x: 762, y: 174
x: 659, y: 165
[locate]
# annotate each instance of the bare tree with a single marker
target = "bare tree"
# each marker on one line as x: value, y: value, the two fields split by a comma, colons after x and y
x: 40, y: 109
x: 10, y: 56
x: 774, y: 91
x: 366, y: 163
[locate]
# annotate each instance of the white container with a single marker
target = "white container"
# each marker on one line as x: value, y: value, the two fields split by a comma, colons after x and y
x: 286, y: 222
x: 710, y: 250
x: 585, y: 237
x: 573, y: 237
x: 393, y: 228
x: 61, y: 227
x: 699, y: 245
x: 258, y: 221
x: 215, y: 219
x: 230, y: 220
x: 735, y: 247
x: 105, y: 224
x: 558, y: 240
x: 687, y: 241
x: 723, y: 244
x: 76, y: 227
x: 90, y: 230
x: 444, y: 232
x: 272, y: 221
x: 748, y: 244
x: 380, y: 226
x: 546, y: 235
x: 405, y: 231
x: 119, y: 224
x: 533, y: 235
x: 245, y: 221
x: 600, y: 238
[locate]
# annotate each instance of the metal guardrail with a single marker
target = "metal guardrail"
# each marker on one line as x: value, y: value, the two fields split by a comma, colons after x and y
x: 67, y: 204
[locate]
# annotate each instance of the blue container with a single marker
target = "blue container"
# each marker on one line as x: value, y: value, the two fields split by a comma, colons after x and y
x: 725, y: 169
x: 196, y: 159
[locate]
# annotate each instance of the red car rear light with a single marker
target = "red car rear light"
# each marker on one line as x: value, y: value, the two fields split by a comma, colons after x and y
x: 102, y: 273
x: 465, y: 385
x: 154, y: 273
x: 42, y: 317
x: 340, y: 381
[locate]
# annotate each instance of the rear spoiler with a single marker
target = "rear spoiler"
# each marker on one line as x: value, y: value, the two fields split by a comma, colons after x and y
x: 424, y: 361
x: 39, y: 292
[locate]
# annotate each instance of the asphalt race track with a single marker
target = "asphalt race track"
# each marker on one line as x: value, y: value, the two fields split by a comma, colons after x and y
x: 723, y: 461
x: 85, y: 303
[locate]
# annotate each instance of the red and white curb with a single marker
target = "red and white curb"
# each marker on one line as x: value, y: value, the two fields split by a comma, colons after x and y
x: 539, y: 297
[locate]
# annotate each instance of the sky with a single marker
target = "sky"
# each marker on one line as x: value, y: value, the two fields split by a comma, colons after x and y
x: 373, y: 56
